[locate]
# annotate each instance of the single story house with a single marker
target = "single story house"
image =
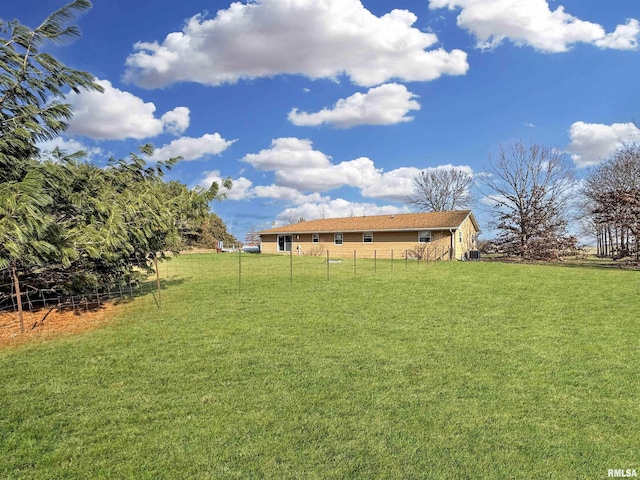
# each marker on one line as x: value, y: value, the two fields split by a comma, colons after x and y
x: 441, y: 235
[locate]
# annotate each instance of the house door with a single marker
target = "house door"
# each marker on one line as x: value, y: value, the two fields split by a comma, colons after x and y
x: 284, y: 243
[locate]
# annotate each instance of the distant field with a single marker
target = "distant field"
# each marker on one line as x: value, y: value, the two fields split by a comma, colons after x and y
x: 266, y: 368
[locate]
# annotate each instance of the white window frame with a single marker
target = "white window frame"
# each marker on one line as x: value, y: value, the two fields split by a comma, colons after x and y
x: 315, y: 238
x: 424, y: 234
x: 335, y: 239
x: 367, y: 237
x: 460, y: 236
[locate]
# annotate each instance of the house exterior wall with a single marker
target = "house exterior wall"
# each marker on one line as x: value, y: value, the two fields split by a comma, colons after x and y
x: 382, y: 246
x: 468, y: 234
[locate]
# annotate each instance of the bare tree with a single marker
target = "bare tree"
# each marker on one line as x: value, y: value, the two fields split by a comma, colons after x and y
x: 252, y: 237
x: 292, y: 218
x: 441, y: 189
x: 530, y: 187
x: 611, y: 199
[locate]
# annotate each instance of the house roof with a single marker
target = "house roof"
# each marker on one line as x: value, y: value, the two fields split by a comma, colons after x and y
x: 397, y: 222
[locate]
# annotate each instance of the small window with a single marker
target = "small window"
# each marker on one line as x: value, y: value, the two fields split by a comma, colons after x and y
x: 337, y: 239
x: 367, y: 237
x: 460, y: 237
x: 315, y: 238
x: 424, y: 237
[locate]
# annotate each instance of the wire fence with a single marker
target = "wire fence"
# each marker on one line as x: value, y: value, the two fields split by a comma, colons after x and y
x: 240, y: 271
x: 34, y: 300
x: 252, y: 267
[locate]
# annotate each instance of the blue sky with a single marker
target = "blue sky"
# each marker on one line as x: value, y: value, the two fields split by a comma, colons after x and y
x: 330, y: 107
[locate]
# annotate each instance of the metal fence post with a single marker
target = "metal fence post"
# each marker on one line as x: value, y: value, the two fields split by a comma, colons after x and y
x: 354, y: 263
x: 327, y: 264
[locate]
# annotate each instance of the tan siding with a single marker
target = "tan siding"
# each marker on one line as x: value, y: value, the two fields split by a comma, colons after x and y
x: 468, y: 239
x: 384, y: 242
x: 383, y: 245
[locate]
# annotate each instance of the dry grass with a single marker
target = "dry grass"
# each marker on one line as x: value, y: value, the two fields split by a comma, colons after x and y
x: 46, y: 323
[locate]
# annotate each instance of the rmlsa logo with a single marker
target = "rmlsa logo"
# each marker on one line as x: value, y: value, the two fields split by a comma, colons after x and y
x: 623, y: 473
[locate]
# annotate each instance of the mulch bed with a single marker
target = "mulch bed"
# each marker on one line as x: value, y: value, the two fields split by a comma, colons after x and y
x: 47, y: 323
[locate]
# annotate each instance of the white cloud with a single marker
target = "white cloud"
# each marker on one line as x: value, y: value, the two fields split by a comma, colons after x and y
x: 286, y: 194
x: 397, y: 184
x: 68, y: 146
x: 319, y: 39
x: 298, y: 167
x: 354, y: 173
x: 625, y: 37
x: 240, y: 190
x: 289, y: 152
x: 193, y: 148
x: 592, y: 143
x: 176, y: 121
x: 243, y: 189
x: 383, y: 105
x: 116, y: 115
x: 338, y: 208
x: 393, y: 185
x: 532, y: 22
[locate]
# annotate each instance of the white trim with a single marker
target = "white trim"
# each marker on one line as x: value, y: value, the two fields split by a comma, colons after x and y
x: 315, y: 238
x: 335, y: 239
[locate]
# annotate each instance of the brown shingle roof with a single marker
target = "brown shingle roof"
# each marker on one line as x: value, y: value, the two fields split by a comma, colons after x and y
x: 406, y: 221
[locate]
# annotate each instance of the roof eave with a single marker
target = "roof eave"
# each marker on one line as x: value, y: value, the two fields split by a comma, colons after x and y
x: 412, y: 229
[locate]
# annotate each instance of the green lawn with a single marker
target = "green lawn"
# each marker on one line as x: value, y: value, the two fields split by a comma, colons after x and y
x: 440, y: 370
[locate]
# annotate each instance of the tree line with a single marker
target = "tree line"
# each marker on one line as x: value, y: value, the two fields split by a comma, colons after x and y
x: 537, y: 204
x: 66, y: 224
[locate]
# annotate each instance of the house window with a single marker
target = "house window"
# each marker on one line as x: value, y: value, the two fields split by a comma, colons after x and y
x: 284, y: 243
x: 337, y: 239
x: 367, y: 237
x: 460, y: 237
x: 315, y: 238
x: 424, y: 237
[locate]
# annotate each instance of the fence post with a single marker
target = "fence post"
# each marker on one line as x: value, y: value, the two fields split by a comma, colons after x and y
x: 392, y: 260
x: 354, y: 263
x: 406, y: 259
x: 155, y: 260
x: 327, y: 264
x: 291, y: 263
x: 28, y: 300
x: 375, y: 261
x: 240, y: 270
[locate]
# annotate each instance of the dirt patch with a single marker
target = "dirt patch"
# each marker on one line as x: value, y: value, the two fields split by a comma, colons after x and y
x: 51, y: 323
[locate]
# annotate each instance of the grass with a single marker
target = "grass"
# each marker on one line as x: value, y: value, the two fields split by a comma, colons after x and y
x: 463, y: 370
